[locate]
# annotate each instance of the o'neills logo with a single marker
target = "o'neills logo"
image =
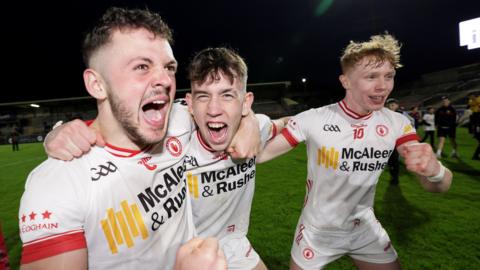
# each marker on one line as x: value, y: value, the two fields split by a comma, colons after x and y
x: 174, y: 146
x: 144, y: 162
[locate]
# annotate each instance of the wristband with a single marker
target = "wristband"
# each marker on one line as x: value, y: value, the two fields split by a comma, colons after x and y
x: 439, y: 176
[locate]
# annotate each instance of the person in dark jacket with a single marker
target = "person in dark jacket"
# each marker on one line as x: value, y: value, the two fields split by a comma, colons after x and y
x: 446, y: 123
x: 393, y: 161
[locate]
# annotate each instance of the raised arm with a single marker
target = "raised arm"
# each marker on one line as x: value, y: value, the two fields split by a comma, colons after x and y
x: 420, y: 159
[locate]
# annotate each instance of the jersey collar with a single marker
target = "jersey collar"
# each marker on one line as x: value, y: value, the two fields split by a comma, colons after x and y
x: 351, y: 113
x: 122, y: 152
x: 217, y: 154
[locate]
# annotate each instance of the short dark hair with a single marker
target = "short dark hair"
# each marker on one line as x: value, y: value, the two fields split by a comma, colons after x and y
x: 116, y: 18
x: 207, y: 63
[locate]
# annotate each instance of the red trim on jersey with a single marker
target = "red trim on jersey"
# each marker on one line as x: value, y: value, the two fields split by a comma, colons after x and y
x: 289, y: 137
x: 248, y: 251
x: 274, y: 130
x: 351, y: 113
x: 52, y: 247
x: 204, y: 143
x: 89, y: 122
x: 407, y: 138
x: 217, y: 154
x: 122, y: 152
x: 52, y: 236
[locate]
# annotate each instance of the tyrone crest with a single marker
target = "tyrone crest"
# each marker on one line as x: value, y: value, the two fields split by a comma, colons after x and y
x: 174, y: 146
x: 382, y: 130
x: 308, y: 253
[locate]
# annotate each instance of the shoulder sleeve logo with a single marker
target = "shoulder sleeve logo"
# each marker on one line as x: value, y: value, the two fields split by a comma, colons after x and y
x: 408, y: 128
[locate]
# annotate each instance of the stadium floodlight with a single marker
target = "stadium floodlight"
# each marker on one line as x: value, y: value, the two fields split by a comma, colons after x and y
x: 470, y: 33
x: 34, y: 105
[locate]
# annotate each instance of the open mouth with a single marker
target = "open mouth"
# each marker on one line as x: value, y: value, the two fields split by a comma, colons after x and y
x: 217, y: 131
x: 154, y: 112
x: 377, y: 99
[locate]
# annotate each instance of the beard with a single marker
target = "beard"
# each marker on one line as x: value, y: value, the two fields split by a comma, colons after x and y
x: 125, y: 117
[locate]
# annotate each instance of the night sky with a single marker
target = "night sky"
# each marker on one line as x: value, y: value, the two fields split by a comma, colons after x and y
x: 280, y: 39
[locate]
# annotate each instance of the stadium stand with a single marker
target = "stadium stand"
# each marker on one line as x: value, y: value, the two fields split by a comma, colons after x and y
x: 456, y: 82
x: 33, y: 119
x: 276, y: 99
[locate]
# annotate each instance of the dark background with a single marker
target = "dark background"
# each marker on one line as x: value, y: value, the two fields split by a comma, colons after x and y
x: 280, y: 39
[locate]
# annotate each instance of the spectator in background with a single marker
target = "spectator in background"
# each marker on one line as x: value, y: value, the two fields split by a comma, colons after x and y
x: 4, y: 265
x: 14, y: 137
x: 476, y: 134
x: 393, y: 166
x: 474, y: 104
x: 46, y: 128
x: 446, y: 123
x: 416, y: 115
x: 428, y: 121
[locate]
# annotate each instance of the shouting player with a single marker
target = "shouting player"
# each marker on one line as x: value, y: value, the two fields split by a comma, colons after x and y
x: 127, y: 204
x: 221, y: 188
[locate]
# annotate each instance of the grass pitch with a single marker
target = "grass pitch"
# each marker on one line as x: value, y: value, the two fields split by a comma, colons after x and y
x: 429, y: 231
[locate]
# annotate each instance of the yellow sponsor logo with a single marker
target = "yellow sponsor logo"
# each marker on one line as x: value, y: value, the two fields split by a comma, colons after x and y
x: 192, y: 185
x: 327, y: 157
x: 407, y: 129
x: 123, y: 226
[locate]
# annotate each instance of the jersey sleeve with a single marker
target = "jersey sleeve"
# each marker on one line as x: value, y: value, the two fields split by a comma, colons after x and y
x: 267, y: 128
x: 181, y: 116
x: 406, y: 132
x: 296, y: 130
x: 52, y: 211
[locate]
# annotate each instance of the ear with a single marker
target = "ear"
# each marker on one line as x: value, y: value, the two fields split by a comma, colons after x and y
x: 188, y: 98
x: 247, y: 103
x: 94, y: 84
x: 344, y: 81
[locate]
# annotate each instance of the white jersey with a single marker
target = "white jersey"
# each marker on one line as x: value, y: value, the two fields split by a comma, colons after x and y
x: 429, y: 119
x: 346, y: 155
x: 130, y: 209
x: 222, y: 190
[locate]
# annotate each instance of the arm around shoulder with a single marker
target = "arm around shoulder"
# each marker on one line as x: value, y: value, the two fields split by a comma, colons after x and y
x: 274, y: 148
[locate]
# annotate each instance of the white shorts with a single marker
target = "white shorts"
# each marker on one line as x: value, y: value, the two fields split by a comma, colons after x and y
x: 239, y: 253
x: 367, y: 241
